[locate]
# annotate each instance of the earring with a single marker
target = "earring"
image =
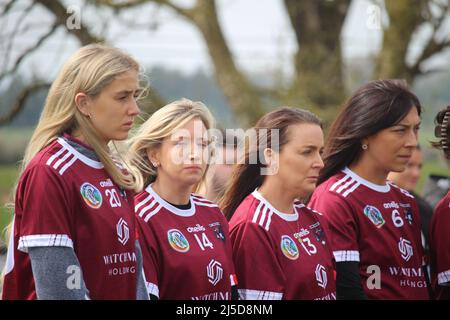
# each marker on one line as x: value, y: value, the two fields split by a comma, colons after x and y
x: 155, y: 164
x: 364, y: 146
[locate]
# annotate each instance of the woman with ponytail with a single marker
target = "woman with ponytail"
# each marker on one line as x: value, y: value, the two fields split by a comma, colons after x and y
x: 280, y: 250
x: 440, y: 221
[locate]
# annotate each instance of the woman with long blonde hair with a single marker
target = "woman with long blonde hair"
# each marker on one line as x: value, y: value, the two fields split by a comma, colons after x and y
x: 184, y: 237
x: 73, y: 230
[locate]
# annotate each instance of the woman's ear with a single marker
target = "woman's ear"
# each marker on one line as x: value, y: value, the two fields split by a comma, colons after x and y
x: 82, y: 103
x: 271, y: 160
x: 268, y: 156
x: 153, y: 156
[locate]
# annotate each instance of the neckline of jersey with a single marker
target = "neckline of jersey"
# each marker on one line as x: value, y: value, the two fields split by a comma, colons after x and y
x: 179, y: 212
x: 376, y: 187
x: 282, y: 215
x: 80, y: 156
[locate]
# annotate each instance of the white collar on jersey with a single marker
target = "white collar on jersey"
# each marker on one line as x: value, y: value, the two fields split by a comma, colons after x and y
x: 179, y: 212
x: 92, y: 163
x: 282, y: 215
x: 380, y: 188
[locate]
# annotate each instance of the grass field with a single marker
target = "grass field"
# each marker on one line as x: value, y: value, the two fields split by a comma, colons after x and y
x: 7, y: 179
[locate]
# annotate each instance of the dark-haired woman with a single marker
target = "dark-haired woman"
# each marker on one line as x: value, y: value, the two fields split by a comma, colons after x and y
x: 374, y: 226
x: 440, y: 221
x: 279, y: 247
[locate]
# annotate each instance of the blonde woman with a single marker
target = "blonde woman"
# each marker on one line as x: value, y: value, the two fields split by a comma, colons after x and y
x: 184, y: 237
x: 73, y: 234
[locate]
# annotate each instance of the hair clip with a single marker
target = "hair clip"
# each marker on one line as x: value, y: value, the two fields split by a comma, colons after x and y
x: 443, y: 133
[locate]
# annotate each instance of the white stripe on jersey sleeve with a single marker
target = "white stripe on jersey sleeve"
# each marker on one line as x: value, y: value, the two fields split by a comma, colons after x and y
x: 346, y: 255
x: 204, y: 204
x: 346, y: 193
x: 337, y: 183
x: 140, y: 204
x: 269, y: 220
x: 61, y: 160
x: 346, y: 185
x: 67, y: 165
x: 53, y: 157
x: 255, y: 215
x: 152, y: 213
x: 247, y: 294
x: 263, y: 216
x: 152, y: 288
x: 44, y: 240
x: 146, y: 208
x: 444, y: 278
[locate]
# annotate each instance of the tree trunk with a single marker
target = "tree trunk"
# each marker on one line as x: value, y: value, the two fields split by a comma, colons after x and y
x: 240, y: 93
x: 318, y: 62
x: 404, y: 18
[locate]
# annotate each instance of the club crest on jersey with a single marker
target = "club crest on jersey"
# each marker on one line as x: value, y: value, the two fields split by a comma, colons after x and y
x: 218, y: 231
x: 91, y: 195
x: 408, y: 215
x: 374, y: 216
x: 177, y: 240
x: 289, y: 248
x: 320, y: 235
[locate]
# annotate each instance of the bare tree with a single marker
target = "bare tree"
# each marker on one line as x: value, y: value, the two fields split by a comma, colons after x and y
x: 406, y: 17
x: 317, y: 24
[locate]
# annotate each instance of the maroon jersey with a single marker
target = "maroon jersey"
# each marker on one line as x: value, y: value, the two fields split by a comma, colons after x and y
x: 187, y: 253
x: 440, y: 249
x: 377, y: 226
x: 278, y: 255
x: 66, y: 199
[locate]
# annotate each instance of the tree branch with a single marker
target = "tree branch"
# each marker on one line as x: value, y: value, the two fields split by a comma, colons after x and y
x: 30, y: 50
x: 187, y: 13
x: 7, y: 8
x: 119, y: 5
x: 59, y: 11
x: 433, y: 47
x: 14, y: 33
x: 20, y: 101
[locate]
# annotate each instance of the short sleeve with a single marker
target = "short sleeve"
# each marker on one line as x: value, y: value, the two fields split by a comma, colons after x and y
x: 258, y: 271
x: 47, y: 209
x: 440, y: 242
x: 341, y: 227
x: 148, y: 242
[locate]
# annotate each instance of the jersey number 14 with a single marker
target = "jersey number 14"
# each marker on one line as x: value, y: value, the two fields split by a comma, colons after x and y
x: 204, y: 242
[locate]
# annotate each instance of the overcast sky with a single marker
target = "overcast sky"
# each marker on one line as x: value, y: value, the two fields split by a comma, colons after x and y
x: 258, y: 32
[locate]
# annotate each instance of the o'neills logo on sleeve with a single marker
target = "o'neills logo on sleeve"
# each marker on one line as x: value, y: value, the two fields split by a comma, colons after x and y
x: 120, y: 263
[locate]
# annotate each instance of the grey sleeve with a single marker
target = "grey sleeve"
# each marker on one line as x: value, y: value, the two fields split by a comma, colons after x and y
x: 57, y: 274
x: 141, y: 288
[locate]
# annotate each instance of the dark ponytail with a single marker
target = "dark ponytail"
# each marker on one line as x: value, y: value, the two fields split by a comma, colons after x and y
x: 247, y: 175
